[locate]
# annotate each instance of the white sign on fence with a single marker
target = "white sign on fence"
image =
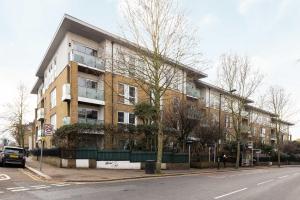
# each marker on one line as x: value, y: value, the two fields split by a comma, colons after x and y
x: 48, y: 129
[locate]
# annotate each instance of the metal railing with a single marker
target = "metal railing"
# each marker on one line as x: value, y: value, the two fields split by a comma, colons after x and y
x: 88, y: 60
x: 191, y: 91
x: 90, y: 121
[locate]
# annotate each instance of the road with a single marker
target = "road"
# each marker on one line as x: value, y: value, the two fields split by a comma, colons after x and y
x: 265, y: 184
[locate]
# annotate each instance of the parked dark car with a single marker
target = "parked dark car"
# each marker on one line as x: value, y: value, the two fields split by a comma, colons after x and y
x: 12, y: 155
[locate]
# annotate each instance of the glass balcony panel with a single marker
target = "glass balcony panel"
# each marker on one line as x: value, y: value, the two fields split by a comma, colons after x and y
x: 91, y: 93
x: 88, y: 60
x: 191, y: 90
x: 90, y: 121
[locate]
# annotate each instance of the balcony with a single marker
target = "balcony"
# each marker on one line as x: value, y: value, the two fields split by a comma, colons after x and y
x: 244, y: 114
x: 192, y: 91
x: 90, y: 121
x: 245, y: 129
x: 66, y: 120
x: 40, y: 114
x: 66, y: 92
x: 88, y: 60
x: 89, y: 95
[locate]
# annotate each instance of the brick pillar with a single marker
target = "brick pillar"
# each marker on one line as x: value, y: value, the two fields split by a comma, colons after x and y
x: 74, y: 92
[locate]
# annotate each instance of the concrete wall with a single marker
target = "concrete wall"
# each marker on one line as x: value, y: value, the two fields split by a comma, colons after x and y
x: 118, y: 165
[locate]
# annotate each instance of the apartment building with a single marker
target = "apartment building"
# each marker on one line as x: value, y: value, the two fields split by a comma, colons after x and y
x: 77, y: 82
x: 258, y: 125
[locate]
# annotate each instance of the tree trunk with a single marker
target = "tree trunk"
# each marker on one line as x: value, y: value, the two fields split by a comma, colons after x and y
x: 278, y: 144
x: 160, y: 137
x: 238, y: 151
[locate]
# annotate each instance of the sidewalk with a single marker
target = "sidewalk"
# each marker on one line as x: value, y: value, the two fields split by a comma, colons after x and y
x: 99, y: 175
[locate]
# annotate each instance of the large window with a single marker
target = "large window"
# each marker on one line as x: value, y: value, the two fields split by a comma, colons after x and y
x: 127, y: 94
x: 126, y: 118
x: 53, y: 121
x: 53, y: 98
x: 87, y: 83
x: 86, y: 50
x: 87, y: 115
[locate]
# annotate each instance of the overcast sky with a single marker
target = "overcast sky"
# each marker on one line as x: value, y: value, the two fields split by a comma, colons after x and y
x: 267, y: 31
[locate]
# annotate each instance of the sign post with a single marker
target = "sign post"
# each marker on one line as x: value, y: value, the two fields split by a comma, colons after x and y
x: 189, y: 142
x: 48, y: 129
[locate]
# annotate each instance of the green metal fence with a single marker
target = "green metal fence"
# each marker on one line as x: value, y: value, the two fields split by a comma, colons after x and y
x: 123, y: 155
x: 105, y: 155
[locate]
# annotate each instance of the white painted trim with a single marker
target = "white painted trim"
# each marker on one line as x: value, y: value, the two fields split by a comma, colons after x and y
x: 82, y: 163
x: 118, y: 165
x: 93, y: 101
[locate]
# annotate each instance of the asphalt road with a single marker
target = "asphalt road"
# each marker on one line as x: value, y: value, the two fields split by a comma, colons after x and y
x: 260, y: 184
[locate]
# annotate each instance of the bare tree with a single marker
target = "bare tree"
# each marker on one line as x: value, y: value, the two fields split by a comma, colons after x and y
x: 15, y: 114
x: 183, y: 116
x: 160, y: 31
x: 236, y: 74
x: 279, y: 102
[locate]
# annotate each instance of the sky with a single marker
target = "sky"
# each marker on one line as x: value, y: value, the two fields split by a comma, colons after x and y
x: 267, y: 31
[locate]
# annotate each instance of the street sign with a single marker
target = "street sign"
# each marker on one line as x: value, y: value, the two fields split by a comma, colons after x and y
x: 48, y: 129
x: 250, y: 145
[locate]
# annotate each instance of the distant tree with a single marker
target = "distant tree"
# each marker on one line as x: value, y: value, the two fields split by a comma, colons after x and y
x: 279, y: 103
x: 237, y: 74
x: 15, y: 114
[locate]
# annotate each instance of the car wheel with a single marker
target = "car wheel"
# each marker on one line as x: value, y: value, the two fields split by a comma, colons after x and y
x: 23, y: 165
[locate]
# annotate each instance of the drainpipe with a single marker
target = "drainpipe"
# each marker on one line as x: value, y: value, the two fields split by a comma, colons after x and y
x: 112, y: 82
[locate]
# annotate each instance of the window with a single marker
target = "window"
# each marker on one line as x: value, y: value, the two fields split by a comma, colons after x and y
x: 53, y: 98
x: 121, y: 117
x: 132, y: 95
x: 126, y: 118
x: 82, y: 82
x: 228, y: 121
x: 131, y: 70
x: 91, y: 84
x: 91, y: 114
x: 131, y: 118
x: 121, y: 91
x: 126, y: 94
x: 83, y: 49
x: 53, y: 121
x: 263, y: 132
x: 87, y: 115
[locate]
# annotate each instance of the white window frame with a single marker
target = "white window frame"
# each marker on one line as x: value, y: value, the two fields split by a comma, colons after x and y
x: 126, y: 118
x: 53, y: 121
x: 126, y: 94
x: 53, y: 98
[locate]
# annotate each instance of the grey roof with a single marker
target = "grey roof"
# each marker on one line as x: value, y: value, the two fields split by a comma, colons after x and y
x: 222, y: 91
x: 283, y: 122
x: 74, y: 25
x: 250, y: 107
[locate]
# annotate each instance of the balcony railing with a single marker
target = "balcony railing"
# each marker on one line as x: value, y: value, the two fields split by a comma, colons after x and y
x: 91, y: 93
x: 88, y: 60
x: 192, y: 91
x: 90, y: 121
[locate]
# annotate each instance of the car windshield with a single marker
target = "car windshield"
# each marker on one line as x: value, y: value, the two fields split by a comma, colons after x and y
x: 13, y: 151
